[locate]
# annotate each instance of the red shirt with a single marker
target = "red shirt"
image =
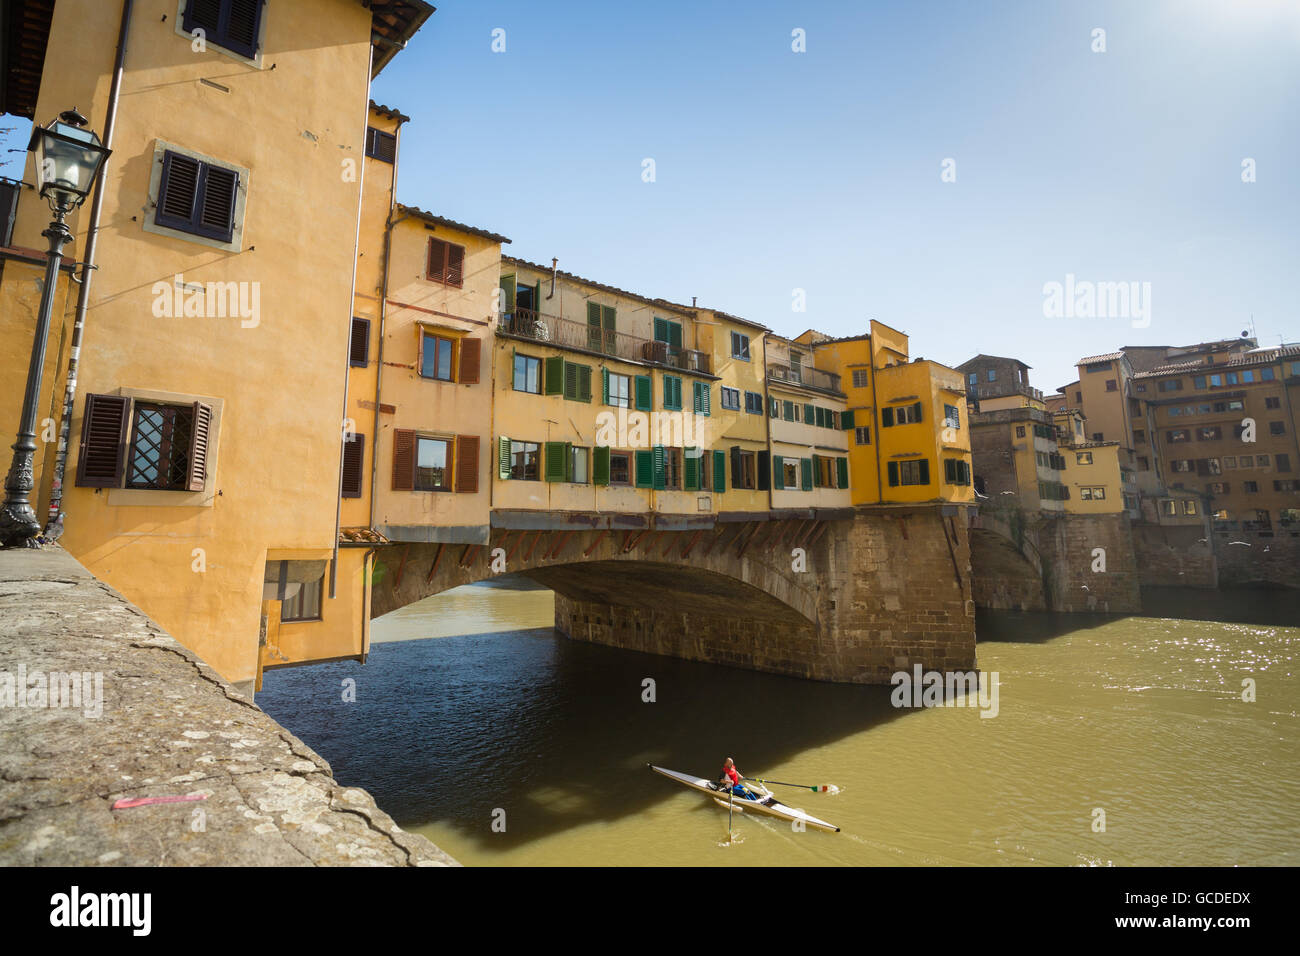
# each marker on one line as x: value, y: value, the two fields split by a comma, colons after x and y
x: 733, y: 775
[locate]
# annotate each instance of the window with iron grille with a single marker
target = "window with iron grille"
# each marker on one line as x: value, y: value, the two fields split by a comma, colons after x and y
x: 160, y: 447
x: 861, y: 378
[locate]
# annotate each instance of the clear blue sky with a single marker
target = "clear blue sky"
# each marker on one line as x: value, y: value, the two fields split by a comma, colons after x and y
x: 821, y: 170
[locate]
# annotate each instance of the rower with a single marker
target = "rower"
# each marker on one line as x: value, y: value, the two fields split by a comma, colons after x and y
x: 730, y: 780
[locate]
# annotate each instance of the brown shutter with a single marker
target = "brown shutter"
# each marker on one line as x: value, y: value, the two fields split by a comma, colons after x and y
x: 200, y: 440
x: 359, y: 354
x: 101, y: 457
x: 455, y: 265
x: 354, y: 457
x: 403, y: 460
x: 467, y: 463
x: 470, y: 349
x: 437, y: 259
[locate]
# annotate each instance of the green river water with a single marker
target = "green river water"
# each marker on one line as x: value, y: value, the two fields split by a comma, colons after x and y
x: 472, y: 709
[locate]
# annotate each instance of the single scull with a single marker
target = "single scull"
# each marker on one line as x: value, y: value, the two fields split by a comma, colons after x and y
x: 766, y: 802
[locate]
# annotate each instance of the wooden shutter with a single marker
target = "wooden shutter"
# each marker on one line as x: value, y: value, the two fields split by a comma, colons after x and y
x: 177, y: 190
x: 503, y: 458
x: 455, y: 265
x: 778, y: 472
x: 660, y: 467
x: 644, y: 469
x: 196, y: 474
x: 570, y: 381
x: 204, y: 15
x: 584, y: 383
x: 764, y: 470
x: 644, y: 398
x: 736, y: 481
x: 467, y: 464
x: 893, y: 474
x: 600, y: 465
x: 101, y: 456
x: 842, y: 471
x: 661, y: 329
x: 555, y: 465
x: 917, y: 415
x: 719, y: 472
x: 437, y: 268
x: 359, y: 352
x: 925, y: 472
x: 470, y: 354
x: 846, y: 420
x: 508, y: 293
x: 594, y: 336
x: 886, y: 418
x: 216, y: 218
x: 806, y: 474
x: 809, y: 415
x: 241, y: 26
x: 691, y: 469
x: 604, y: 386
x: 554, y: 376
x: 381, y: 145
x: 354, y: 457
x: 403, y: 460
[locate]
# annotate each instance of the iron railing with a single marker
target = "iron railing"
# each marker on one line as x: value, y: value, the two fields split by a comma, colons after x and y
x: 805, y: 375
x: 554, y: 330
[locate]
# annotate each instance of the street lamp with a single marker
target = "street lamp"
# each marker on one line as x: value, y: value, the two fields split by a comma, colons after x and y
x: 68, y: 160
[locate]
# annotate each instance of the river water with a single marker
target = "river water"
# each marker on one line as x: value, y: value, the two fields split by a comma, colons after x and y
x: 473, y: 713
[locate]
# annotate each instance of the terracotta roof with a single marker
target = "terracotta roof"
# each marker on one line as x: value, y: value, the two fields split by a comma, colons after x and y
x: 419, y: 213
x: 389, y: 113
x: 392, y: 24
x: 361, y: 536
x: 662, y: 303
x: 1253, y: 357
x: 1108, y: 357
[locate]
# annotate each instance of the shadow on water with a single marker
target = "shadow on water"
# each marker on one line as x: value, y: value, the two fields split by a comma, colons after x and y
x: 552, y: 730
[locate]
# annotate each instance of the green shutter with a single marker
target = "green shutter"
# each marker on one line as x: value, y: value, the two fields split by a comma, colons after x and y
x: 691, y: 469
x: 816, y: 471
x: 893, y: 474
x: 600, y: 465
x: 661, y: 329
x: 805, y: 474
x: 503, y: 458
x: 886, y: 418
x: 675, y: 334
x: 789, y: 411
x: 555, y: 464
x: 594, y: 338
x: 809, y: 417
x: 778, y: 472
x: 609, y: 318
x: 604, y: 386
x: 508, y: 293
x: 735, y: 466
x: 764, y: 470
x: 644, y: 469
x: 842, y: 471
x: 555, y: 376
x: 846, y: 420
x: 660, y: 467
x: 925, y: 472
x: 719, y: 472
x: 643, y: 393
x: 584, y: 383
x: 706, y: 390
x: 917, y: 409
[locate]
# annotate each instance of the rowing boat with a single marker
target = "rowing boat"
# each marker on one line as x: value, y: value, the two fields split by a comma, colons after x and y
x: 765, y: 804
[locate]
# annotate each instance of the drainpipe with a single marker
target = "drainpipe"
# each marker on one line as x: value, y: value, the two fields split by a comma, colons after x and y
x: 379, y: 352
x: 347, y: 352
x: 554, y: 266
x: 877, y: 418
x: 55, y: 515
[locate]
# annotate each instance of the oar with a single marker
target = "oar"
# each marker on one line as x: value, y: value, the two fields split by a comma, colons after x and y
x: 730, y: 797
x: 819, y: 788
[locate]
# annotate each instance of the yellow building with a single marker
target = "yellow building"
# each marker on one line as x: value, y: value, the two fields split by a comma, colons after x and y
x: 206, y: 457
x: 906, y: 420
x: 603, y: 404
x: 807, y: 406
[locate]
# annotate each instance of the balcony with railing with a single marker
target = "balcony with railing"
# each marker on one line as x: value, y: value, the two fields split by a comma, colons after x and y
x: 566, y: 333
x: 805, y: 375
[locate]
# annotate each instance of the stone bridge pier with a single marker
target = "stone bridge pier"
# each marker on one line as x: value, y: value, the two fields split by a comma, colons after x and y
x: 851, y: 596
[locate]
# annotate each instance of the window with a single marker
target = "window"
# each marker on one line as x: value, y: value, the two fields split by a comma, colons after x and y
x: 618, y: 390
x: 774, y: 407
x: 951, y: 417
x: 668, y: 332
x: 740, y: 346
x: 993, y: 375
x: 973, y: 378
x: 197, y: 197
x: 528, y: 374
x: 305, y: 604
x: 1229, y: 462
x: 744, y: 468
x: 1209, y: 433
x: 956, y: 471
x: 1272, y: 401
x: 1078, y: 398
x: 525, y: 459
x: 1020, y: 431
x: 754, y: 403
x: 230, y: 24
x: 673, y: 468
x: 862, y: 435
x: 359, y: 344
x: 1181, y: 465
x: 435, y: 356
x: 1144, y: 463
x: 573, y: 381
x: 1112, y: 385
x: 432, y: 464
x: 161, y: 437
x: 909, y: 473
x: 1097, y: 436
x: 1178, y: 435
x: 579, y: 465
x: 861, y: 378
x: 1097, y: 367
x: 701, y: 393
x: 1283, y: 462
x: 1217, y: 487
x: 1276, y: 428
x: 731, y: 396
x: 446, y: 263
x: 1261, y: 461
x: 1083, y: 458
x: 354, y: 457
x: 380, y: 145
x: 790, y: 411
x: 900, y: 415
x: 1197, y: 382
x: 790, y: 473
x: 1216, y: 381
x: 1168, y: 507
x: 673, y: 393
x: 1247, y: 461
x: 1169, y: 385
x: 823, y: 472
x: 1139, y: 436
x: 1190, y: 507
x: 620, y: 472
